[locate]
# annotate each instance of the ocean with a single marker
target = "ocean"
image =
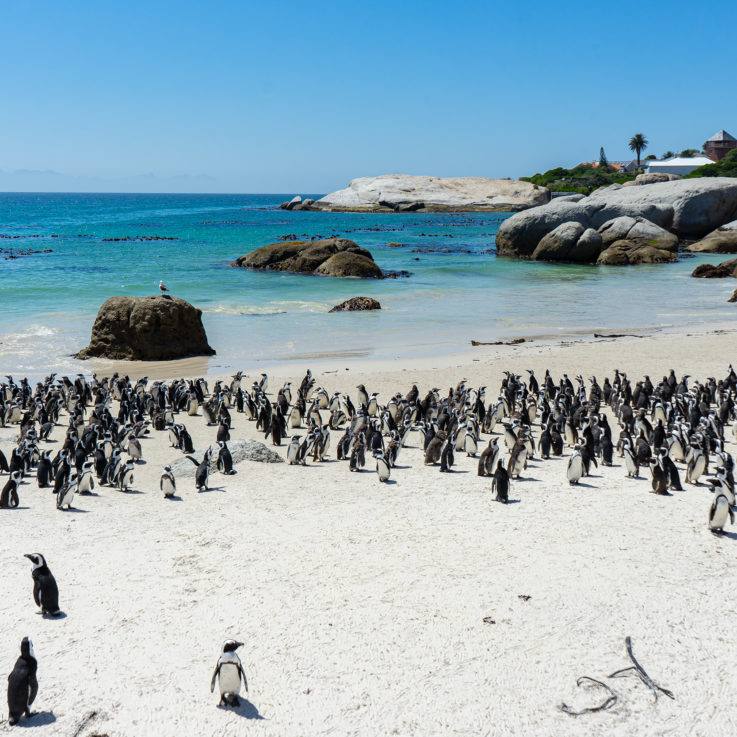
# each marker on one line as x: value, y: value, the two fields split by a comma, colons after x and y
x: 102, y: 245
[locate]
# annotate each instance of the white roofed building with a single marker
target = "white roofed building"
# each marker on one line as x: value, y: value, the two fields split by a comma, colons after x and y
x: 680, y: 165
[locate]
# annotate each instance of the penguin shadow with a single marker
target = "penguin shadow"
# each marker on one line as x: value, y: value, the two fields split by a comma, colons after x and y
x: 58, y: 615
x: 132, y: 491
x: 174, y: 498
x: 525, y: 479
x: 401, y: 468
x: 508, y: 502
x: 726, y: 533
x: 245, y: 709
x: 76, y: 510
x: 38, y: 719
x: 584, y: 485
x: 209, y: 488
x: 391, y: 482
x: 141, y: 462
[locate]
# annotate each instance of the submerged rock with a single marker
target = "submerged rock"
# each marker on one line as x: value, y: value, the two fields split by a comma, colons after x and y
x: 357, y: 304
x: 687, y: 208
x: 160, y: 328
x: 716, y: 271
x: 407, y: 193
x: 721, y: 240
x: 328, y: 257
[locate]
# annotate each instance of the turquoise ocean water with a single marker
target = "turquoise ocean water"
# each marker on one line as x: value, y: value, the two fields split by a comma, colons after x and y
x: 459, y: 290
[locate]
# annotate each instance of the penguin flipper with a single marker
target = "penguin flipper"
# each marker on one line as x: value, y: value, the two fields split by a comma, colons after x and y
x: 243, y: 676
x: 214, y: 677
x: 37, y: 593
x: 32, y: 688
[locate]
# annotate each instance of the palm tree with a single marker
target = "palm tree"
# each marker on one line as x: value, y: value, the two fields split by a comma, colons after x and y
x: 638, y: 143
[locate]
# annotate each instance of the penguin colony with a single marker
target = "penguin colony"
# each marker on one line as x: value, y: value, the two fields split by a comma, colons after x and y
x: 670, y: 428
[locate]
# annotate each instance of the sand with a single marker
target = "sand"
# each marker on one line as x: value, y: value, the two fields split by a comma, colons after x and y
x: 362, y: 606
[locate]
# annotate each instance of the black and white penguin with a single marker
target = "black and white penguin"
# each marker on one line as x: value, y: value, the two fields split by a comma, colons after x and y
x: 9, y: 498
x: 125, y: 475
x: 630, y: 461
x: 167, y: 483
x: 718, y: 513
x: 45, y: 590
x: 575, y: 469
x: 86, y: 482
x: 202, y: 474
x: 225, y: 460
x: 293, y: 450
x: 382, y: 466
x: 517, y: 459
x: 487, y: 460
x: 229, y: 672
x: 22, y: 683
x: 500, y: 483
x: 44, y: 472
x: 65, y: 496
x: 659, y: 476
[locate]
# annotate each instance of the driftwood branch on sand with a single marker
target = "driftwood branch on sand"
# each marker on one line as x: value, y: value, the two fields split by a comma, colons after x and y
x: 611, y: 699
x: 608, y: 702
x: 640, y: 672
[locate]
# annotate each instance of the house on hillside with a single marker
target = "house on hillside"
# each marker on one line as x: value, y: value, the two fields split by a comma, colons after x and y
x: 680, y: 165
x: 719, y: 145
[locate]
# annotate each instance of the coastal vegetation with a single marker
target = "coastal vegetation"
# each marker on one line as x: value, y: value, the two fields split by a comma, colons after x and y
x: 582, y: 179
x: 727, y: 167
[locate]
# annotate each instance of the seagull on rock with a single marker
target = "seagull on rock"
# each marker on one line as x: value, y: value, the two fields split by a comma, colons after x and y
x: 163, y: 288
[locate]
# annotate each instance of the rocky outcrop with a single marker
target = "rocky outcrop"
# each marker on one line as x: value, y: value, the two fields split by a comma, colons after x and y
x: 721, y: 240
x: 328, y: 257
x: 627, y: 253
x: 688, y: 208
x: 569, y: 242
x: 357, y: 304
x: 160, y: 328
x: 716, y: 271
x: 241, y: 450
x: 406, y: 193
x: 733, y: 298
x: 653, y: 178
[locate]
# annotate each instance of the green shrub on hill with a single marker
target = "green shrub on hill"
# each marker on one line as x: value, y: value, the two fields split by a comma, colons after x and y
x: 583, y: 178
x: 727, y: 167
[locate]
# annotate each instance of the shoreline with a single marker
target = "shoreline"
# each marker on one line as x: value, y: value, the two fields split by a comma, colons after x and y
x: 484, y: 353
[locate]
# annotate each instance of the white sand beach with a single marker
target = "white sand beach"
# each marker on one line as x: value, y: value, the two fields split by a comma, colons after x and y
x: 419, y: 607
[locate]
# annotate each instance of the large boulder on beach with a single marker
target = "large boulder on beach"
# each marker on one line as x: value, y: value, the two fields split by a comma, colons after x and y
x: 357, y: 304
x: 721, y: 240
x: 327, y: 257
x: 628, y: 253
x: 159, y: 328
x: 407, y: 193
x: 688, y: 208
x: 569, y: 242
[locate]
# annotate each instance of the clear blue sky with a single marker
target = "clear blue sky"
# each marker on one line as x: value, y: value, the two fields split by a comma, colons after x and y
x: 301, y: 97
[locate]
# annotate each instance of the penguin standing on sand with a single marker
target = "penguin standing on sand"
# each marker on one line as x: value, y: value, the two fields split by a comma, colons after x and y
x: 125, y: 479
x: 500, y: 483
x: 44, y: 472
x: 489, y: 455
x: 45, y: 590
x: 293, y: 450
x: 65, y: 497
x: 576, y: 468
x: 22, y: 683
x: 202, y: 474
x: 167, y: 483
x: 382, y: 466
x: 720, y: 510
x: 225, y: 460
x: 229, y: 672
x: 9, y: 496
x: 86, y: 483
